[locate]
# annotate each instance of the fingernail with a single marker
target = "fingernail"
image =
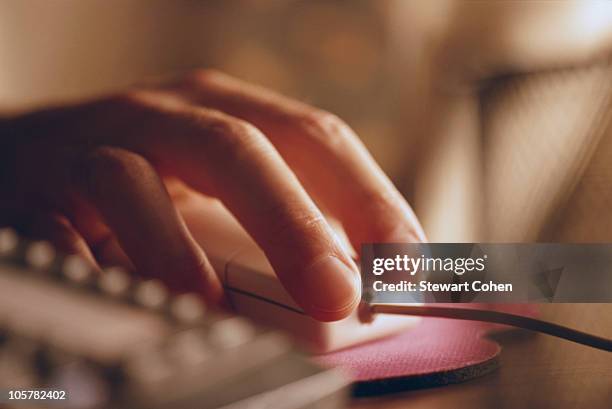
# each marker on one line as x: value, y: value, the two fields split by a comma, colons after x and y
x: 333, y: 288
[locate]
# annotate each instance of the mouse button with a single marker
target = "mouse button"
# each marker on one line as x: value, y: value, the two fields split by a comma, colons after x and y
x: 249, y: 272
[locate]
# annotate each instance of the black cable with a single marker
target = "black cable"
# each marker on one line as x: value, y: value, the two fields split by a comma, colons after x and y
x: 498, y: 317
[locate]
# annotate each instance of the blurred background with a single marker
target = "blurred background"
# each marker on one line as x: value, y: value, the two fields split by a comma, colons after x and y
x: 493, y: 118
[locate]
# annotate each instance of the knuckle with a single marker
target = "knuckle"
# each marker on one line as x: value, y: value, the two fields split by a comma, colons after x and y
x: 219, y: 136
x: 116, y: 160
x: 327, y: 128
x: 381, y: 203
x: 387, y: 219
x: 236, y: 128
x: 203, y: 76
x: 287, y: 223
x: 236, y: 138
x: 132, y: 98
x: 105, y: 164
x: 379, y: 200
x: 137, y: 104
x: 323, y: 121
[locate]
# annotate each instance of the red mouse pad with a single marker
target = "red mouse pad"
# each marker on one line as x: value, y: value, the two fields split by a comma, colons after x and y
x: 436, y: 352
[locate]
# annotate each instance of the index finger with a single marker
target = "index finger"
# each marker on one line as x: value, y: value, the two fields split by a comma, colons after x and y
x: 232, y: 160
x: 329, y: 159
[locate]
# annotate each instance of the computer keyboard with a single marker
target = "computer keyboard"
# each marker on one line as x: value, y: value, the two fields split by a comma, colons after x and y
x: 104, y: 339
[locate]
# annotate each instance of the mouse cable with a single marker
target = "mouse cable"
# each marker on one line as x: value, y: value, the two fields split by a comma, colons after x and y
x: 498, y: 317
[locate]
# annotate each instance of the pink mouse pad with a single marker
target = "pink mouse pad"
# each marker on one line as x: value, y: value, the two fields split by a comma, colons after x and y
x: 436, y: 352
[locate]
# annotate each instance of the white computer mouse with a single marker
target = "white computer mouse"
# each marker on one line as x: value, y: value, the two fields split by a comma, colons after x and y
x: 254, y: 290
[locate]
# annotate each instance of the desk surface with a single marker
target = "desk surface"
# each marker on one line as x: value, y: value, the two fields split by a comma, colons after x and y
x: 536, y: 371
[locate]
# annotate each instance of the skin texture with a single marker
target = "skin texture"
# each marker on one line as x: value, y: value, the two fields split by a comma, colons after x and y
x: 110, y: 173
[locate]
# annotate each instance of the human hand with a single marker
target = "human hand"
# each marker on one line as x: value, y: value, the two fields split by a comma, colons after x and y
x: 86, y: 175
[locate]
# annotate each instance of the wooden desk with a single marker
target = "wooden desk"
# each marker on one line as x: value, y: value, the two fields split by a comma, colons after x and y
x: 536, y: 371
